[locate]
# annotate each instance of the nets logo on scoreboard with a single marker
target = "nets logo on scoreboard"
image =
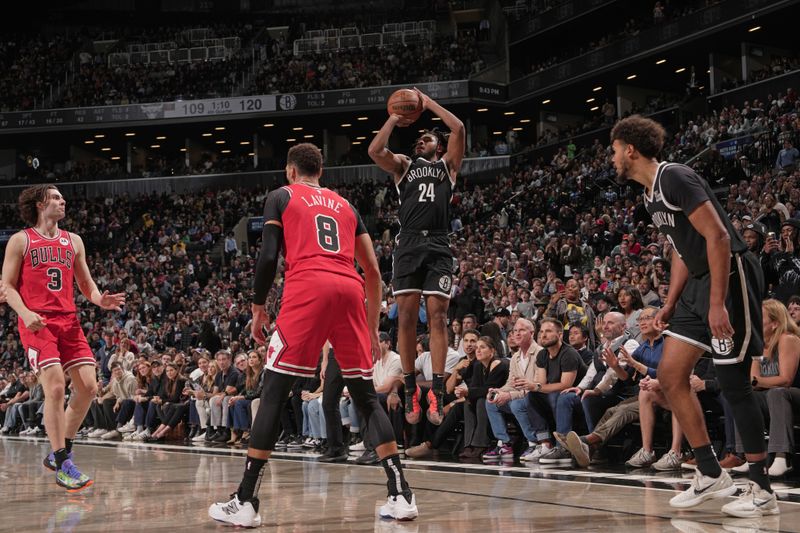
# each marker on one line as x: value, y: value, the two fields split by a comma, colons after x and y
x: 287, y: 102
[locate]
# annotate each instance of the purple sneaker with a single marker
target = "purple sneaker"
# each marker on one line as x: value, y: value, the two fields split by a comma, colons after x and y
x: 499, y: 452
x: 50, y: 461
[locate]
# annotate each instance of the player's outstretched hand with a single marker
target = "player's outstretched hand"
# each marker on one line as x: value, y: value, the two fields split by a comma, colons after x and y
x: 112, y: 302
x: 260, y: 324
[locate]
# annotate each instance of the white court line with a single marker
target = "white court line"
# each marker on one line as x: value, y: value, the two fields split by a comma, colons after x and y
x: 538, y: 475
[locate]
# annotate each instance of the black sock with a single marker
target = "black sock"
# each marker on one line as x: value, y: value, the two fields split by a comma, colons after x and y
x: 68, y: 445
x: 759, y: 475
x: 437, y: 385
x: 410, y: 381
x: 396, y: 482
x: 61, y: 456
x: 707, y: 462
x: 251, y: 480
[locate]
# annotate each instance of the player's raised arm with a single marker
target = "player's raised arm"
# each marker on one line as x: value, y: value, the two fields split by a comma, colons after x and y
x: 388, y: 161
x: 104, y: 300
x: 12, y: 264
x: 456, y: 142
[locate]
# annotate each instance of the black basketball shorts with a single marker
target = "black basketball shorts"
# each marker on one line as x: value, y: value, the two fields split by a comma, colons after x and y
x: 690, y: 321
x: 422, y: 263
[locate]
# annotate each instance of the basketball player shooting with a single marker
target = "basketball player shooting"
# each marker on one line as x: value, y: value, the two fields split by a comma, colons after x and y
x: 713, y: 306
x: 323, y: 299
x: 40, y: 265
x: 423, y: 261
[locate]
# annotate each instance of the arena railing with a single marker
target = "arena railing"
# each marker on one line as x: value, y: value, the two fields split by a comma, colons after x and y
x: 332, y: 176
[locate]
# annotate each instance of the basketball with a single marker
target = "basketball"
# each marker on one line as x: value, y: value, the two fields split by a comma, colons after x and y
x: 406, y: 103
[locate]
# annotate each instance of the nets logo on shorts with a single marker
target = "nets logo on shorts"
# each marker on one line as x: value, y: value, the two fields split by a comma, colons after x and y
x: 445, y: 282
x: 722, y: 346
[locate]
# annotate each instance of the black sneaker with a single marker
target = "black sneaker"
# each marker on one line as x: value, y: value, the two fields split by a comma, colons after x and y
x: 334, y: 456
x: 370, y: 457
x: 211, y: 434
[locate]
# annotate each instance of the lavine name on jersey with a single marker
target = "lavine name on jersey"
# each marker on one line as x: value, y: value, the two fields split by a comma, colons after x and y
x: 427, y: 171
x: 51, y: 254
x: 317, y: 200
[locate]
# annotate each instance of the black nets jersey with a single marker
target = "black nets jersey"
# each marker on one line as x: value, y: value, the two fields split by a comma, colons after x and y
x: 677, y: 192
x: 425, y: 192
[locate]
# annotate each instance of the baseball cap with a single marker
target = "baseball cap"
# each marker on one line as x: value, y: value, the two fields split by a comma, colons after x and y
x: 758, y: 227
x: 502, y: 312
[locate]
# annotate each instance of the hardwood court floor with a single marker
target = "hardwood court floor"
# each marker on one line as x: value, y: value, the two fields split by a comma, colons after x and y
x: 168, y: 488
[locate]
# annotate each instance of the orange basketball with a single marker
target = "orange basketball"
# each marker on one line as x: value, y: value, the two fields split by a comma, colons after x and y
x: 406, y: 103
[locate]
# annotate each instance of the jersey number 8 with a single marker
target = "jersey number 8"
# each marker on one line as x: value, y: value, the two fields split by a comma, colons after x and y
x: 327, y: 234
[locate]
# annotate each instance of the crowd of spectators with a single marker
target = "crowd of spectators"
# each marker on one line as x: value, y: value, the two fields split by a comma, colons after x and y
x: 777, y: 66
x: 638, y: 20
x: 445, y: 58
x: 552, y: 254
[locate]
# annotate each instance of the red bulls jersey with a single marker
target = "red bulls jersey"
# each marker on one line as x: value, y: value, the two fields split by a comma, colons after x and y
x: 46, y: 278
x: 319, y: 229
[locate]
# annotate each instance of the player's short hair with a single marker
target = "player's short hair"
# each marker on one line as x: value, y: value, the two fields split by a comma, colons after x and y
x: 29, y: 198
x: 644, y: 134
x: 441, y: 137
x: 306, y: 157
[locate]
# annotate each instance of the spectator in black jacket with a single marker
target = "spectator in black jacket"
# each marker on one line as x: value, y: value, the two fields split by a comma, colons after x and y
x: 782, y: 270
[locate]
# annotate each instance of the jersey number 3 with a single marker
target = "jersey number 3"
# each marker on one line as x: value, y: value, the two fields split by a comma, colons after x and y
x: 327, y: 234
x: 426, y: 192
x: 55, y: 279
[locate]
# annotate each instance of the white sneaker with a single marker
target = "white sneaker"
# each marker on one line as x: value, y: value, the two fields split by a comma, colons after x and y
x: 704, y: 488
x: 142, y: 435
x: 742, y: 468
x: 130, y: 427
x: 398, y: 508
x: 130, y: 436
x: 668, y: 461
x: 200, y: 437
x: 97, y: 433
x: 111, y: 435
x: 532, y: 453
x: 778, y: 468
x: 25, y: 432
x: 753, y: 502
x: 360, y: 447
x: 235, y: 513
x: 538, y: 452
x: 641, y: 459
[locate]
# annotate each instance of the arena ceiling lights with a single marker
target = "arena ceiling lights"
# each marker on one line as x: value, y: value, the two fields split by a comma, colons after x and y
x: 754, y: 28
x: 207, y: 134
x: 309, y: 136
x: 524, y: 120
x: 483, y: 109
x: 631, y: 77
x: 291, y: 140
x: 130, y: 134
x: 99, y: 136
x: 346, y: 125
x: 244, y: 143
x: 298, y: 128
x: 598, y: 88
x: 435, y: 118
x: 595, y: 108
x: 88, y: 142
x: 161, y: 138
x: 661, y: 61
x: 509, y: 113
x: 589, y: 100
x: 546, y: 101
x: 678, y: 71
x: 219, y: 142
x: 220, y: 128
x: 269, y: 125
x: 362, y: 118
